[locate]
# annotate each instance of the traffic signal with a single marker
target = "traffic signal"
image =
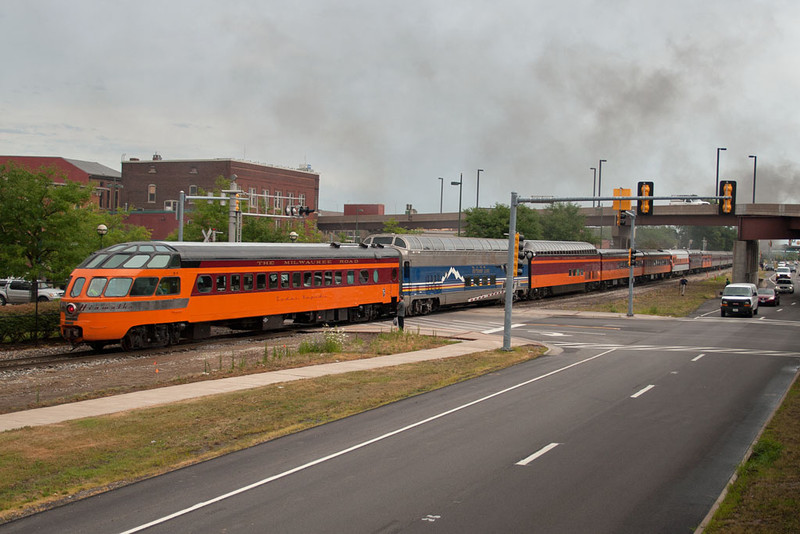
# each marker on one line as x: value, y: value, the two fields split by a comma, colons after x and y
x: 622, y: 218
x: 644, y: 207
x: 632, y: 256
x: 237, y: 207
x: 291, y: 211
x: 520, y: 264
x: 305, y: 210
x: 727, y: 206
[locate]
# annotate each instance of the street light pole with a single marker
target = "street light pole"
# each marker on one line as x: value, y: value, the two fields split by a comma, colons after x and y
x: 716, y: 184
x: 441, y: 193
x: 755, y: 161
x: 459, y: 183
x: 600, y: 179
x: 594, y: 183
x: 478, y: 189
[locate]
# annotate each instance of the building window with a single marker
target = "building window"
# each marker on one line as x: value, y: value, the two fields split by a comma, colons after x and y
x: 151, y: 194
x: 301, y: 199
x: 278, y: 201
x: 152, y: 169
x: 253, y: 200
x: 265, y: 192
x: 170, y: 205
x: 192, y: 190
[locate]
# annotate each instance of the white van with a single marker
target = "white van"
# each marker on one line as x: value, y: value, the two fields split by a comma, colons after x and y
x: 739, y: 299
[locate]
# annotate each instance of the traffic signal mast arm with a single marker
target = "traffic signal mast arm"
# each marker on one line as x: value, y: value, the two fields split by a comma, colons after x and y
x: 551, y: 200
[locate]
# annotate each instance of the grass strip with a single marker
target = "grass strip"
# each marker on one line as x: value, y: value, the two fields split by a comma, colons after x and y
x: 765, y: 498
x: 43, y: 466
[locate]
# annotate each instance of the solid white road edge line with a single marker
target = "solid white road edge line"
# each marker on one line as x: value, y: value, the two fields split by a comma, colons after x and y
x: 356, y: 447
x: 538, y: 453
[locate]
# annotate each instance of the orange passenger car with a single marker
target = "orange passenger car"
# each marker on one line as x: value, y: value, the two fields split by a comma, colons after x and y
x: 154, y: 293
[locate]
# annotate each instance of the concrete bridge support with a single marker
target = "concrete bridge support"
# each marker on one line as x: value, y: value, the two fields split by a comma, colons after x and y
x: 745, y: 262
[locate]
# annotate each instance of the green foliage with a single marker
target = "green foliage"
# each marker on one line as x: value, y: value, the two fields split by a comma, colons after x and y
x: 716, y: 237
x: 656, y: 237
x: 47, y: 229
x: 393, y: 227
x: 493, y: 222
x: 20, y: 323
x: 557, y: 222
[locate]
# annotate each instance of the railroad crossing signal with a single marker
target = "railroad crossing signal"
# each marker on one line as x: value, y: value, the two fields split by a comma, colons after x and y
x: 727, y: 206
x: 644, y: 207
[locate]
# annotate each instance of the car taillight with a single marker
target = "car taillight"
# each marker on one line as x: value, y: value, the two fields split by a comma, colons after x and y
x: 71, y: 308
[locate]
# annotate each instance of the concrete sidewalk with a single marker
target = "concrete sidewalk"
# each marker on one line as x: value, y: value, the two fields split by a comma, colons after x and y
x: 472, y: 342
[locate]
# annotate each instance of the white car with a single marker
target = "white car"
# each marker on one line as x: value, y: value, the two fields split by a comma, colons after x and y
x: 690, y: 200
x: 784, y: 285
x: 19, y: 292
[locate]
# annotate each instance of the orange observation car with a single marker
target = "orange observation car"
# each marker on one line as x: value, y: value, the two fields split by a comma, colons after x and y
x: 149, y: 294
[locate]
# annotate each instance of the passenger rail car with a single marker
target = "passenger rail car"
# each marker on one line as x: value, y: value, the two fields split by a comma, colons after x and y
x: 447, y: 271
x: 153, y: 293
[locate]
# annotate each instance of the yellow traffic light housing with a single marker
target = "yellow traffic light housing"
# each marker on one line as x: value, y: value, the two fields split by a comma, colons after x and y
x: 727, y: 206
x: 644, y: 207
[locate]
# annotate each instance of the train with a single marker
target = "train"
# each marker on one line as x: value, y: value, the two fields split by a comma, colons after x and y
x: 156, y: 293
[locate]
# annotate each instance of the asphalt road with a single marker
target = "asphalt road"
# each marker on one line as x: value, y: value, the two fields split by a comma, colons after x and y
x: 636, y: 426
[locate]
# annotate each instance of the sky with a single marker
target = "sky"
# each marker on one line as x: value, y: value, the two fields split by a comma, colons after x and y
x: 383, y: 97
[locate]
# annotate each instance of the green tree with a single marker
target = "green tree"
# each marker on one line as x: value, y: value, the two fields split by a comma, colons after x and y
x: 493, y: 222
x: 656, y: 237
x: 716, y: 237
x: 47, y: 229
x: 393, y: 227
x: 562, y: 222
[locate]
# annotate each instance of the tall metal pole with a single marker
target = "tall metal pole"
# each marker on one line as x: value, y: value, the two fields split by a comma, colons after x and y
x: 512, y: 230
x: 478, y: 189
x: 600, y: 180
x: 459, y: 183
x: 594, y: 183
x: 716, y: 184
x: 632, y: 216
x: 181, y: 202
x: 441, y: 193
x: 755, y: 161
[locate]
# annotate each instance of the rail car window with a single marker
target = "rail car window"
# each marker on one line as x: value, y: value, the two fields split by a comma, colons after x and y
x: 261, y: 281
x: 77, y: 287
x: 467, y: 281
x: 115, y: 261
x: 247, y: 282
x: 136, y: 261
x: 363, y: 276
x: 375, y: 276
x: 146, y: 286
x: 328, y: 278
x: 399, y: 242
x: 296, y: 279
x: 118, y: 287
x: 406, y: 270
x: 159, y: 261
x: 317, y: 279
x: 204, y: 284
x: 236, y: 282
x: 284, y: 280
x: 96, y: 286
x: 307, y: 279
x: 97, y: 260
x: 394, y: 274
x: 169, y: 285
x: 351, y: 277
x: 273, y: 280
x: 222, y: 283
x: 337, y: 278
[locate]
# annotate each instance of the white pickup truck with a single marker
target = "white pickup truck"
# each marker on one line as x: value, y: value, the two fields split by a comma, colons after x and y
x: 19, y: 292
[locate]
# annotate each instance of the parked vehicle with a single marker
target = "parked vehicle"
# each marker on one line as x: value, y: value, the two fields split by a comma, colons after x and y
x: 19, y: 292
x: 739, y: 299
x: 768, y: 297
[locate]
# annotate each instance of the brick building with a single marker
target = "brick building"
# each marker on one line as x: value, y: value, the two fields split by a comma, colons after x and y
x: 151, y: 188
x: 101, y: 179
